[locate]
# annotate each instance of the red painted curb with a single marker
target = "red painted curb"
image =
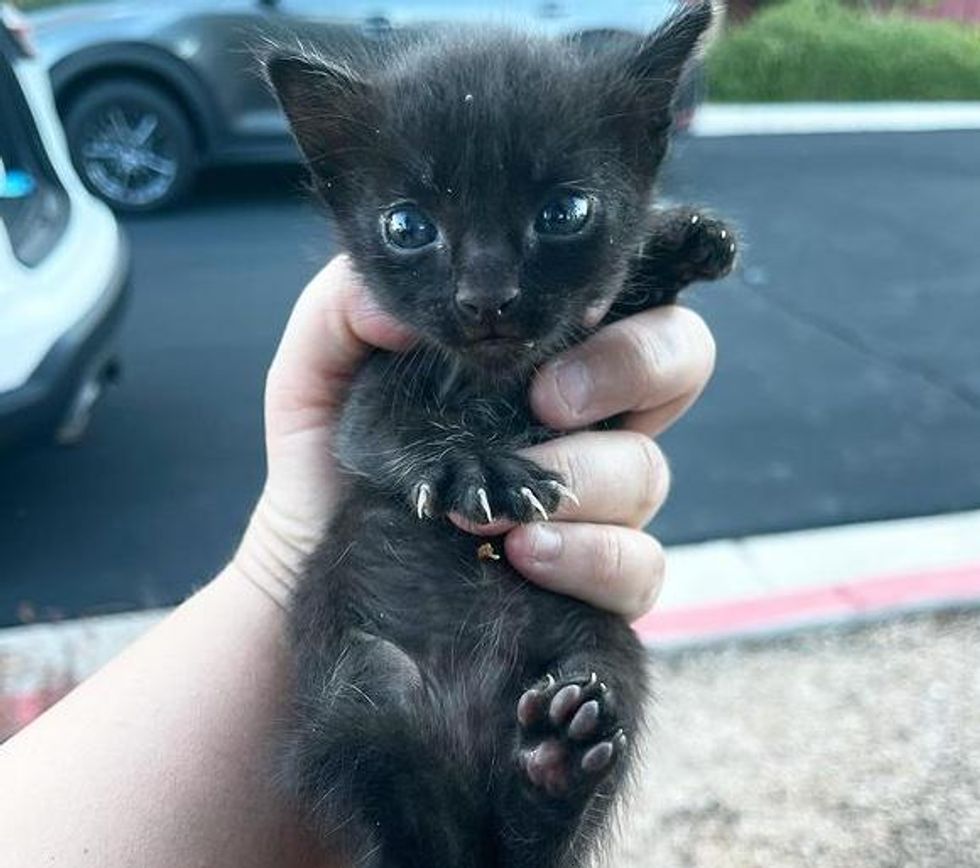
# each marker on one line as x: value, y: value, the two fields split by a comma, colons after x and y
x: 833, y: 603
x: 19, y: 709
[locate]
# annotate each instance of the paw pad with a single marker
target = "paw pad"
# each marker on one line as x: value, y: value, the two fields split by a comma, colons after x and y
x: 570, y: 737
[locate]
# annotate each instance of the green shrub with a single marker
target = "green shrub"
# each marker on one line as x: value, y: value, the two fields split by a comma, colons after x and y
x: 27, y: 5
x: 822, y: 50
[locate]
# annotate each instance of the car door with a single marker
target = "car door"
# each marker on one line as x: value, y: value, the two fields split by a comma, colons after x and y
x: 220, y: 43
x: 231, y: 39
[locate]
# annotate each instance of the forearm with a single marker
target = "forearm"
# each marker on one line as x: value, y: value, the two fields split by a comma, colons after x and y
x: 164, y: 757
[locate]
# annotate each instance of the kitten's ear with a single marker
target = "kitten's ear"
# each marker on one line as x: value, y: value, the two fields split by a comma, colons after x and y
x: 326, y: 104
x: 656, y: 67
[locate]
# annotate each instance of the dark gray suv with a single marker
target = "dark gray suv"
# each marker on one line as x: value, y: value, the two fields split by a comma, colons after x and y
x: 149, y: 92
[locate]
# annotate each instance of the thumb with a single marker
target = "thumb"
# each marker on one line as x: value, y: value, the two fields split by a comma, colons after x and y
x: 332, y: 327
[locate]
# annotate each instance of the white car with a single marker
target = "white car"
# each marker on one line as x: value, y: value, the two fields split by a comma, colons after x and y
x: 64, y: 263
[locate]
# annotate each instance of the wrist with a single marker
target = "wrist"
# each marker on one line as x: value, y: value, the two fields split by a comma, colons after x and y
x: 274, y: 549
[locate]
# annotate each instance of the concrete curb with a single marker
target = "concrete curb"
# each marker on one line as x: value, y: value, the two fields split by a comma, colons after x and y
x: 769, y: 584
x: 717, y: 591
x: 767, y: 119
x: 784, y: 613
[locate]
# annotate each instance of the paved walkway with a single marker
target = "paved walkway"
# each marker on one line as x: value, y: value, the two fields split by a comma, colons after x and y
x: 755, y: 119
x: 833, y: 749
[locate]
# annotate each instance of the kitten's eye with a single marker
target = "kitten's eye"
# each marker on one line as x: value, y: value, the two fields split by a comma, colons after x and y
x: 564, y: 215
x: 408, y: 227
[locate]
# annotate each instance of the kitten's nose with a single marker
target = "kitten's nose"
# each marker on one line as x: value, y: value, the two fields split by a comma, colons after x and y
x: 482, y: 305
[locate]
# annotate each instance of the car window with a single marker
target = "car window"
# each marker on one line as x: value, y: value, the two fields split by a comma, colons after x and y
x: 33, y: 204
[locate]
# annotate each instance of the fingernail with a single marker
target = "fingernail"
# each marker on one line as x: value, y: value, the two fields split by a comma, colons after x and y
x: 574, y: 383
x: 545, y: 542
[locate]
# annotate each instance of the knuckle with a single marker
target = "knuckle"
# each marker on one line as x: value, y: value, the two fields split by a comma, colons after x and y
x: 273, y: 380
x: 279, y: 394
x: 653, y: 477
x: 648, y: 357
x: 700, y: 347
x: 653, y: 580
x: 567, y: 463
x: 667, y: 346
x: 562, y: 457
x: 607, y: 558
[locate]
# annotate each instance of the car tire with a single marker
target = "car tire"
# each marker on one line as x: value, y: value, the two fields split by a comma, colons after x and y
x: 131, y: 144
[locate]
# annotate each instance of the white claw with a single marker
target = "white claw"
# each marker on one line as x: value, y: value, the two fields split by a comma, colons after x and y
x: 481, y: 495
x: 593, y: 678
x: 565, y: 491
x: 536, y: 504
x: 731, y: 248
x: 422, y: 501
x: 724, y: 234
x: 695, y: 219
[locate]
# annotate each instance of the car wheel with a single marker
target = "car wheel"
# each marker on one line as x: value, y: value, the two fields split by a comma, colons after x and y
x: 131, y: 144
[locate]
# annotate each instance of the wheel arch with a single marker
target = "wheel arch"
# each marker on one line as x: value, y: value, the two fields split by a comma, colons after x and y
x: 138, y: 62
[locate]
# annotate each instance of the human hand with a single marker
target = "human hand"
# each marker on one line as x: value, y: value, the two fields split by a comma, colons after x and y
x: 650, y: 367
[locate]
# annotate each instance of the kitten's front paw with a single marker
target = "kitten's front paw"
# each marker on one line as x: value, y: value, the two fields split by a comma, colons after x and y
x: 570, y: 738
x: 483, y: 489
x: 710, y: 248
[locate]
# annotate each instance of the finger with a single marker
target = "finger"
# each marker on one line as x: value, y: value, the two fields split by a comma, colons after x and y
x: 331, y: 328
x: 618, y: 477
x: 614, y: 568
x: 652, y: 423
x: 658, y: 360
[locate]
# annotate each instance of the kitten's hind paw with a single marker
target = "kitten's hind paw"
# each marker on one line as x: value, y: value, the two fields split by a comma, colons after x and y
x: 484, y: 489
x: 570, y: 738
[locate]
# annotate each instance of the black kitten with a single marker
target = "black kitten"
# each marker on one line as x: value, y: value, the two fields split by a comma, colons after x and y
x: 494, y: 192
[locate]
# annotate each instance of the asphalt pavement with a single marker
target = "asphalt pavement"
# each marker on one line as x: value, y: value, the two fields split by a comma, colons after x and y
x: 847, y: 389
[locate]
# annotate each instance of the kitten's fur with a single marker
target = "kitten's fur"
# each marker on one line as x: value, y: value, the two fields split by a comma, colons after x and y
x: 448, y: 713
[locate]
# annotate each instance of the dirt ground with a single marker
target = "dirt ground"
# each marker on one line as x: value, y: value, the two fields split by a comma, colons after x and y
x: 834, y: 749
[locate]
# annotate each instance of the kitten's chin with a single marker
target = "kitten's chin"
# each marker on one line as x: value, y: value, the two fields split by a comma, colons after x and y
x: 501, y: 355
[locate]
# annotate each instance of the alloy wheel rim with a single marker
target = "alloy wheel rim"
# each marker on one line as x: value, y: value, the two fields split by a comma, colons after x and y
x: 127, y: 154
